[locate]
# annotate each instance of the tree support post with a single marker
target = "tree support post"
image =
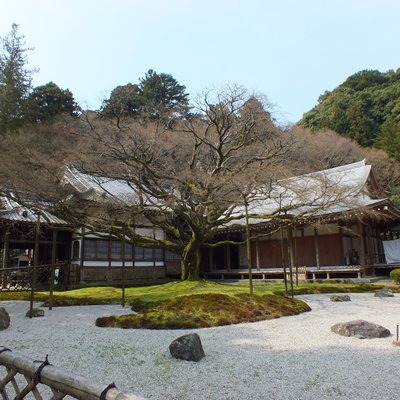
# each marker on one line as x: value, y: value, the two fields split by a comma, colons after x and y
x: 291, y: 258
x: 35, y: 265
x: 53, y: 267
x: 123, y: 266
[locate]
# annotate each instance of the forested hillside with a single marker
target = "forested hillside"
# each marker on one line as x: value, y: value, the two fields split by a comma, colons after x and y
x: 41, y: 126
x: 365, y: 107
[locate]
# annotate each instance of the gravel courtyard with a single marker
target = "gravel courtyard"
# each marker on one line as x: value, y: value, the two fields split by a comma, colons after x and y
x: 288, y: 358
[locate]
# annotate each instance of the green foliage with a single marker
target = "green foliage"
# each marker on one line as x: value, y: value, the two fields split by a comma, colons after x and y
x: 15, y: 80
x: 389, y: 138
x: 155, y: 95
x: 47, y: 101
x: 395, y: 275
x: 20, y: 104
x: 124, y: 101
x: 161, y: 93
x: 366, y: 108
x: 365, y: 79
x: 206, y: 310
x: 330, y: 288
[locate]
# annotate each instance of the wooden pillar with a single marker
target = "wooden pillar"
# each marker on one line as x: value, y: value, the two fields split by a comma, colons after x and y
x: 6, y: 250
x: 291, y: 256
x: 257, y: 254
x: 248, y: 248
x: 342, y: 246
x: 362, y: 244
x: 316, y: 242
x: 228, y: 257
x: 283, y: 262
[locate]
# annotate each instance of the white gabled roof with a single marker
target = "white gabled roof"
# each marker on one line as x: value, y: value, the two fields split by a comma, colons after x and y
x: 319, y: 193
x: 97, y: 187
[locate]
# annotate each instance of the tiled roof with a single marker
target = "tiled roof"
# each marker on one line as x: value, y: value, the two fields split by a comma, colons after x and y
x: 11, y: 210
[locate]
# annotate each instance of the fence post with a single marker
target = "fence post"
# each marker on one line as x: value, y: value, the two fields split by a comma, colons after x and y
x: 62, y: 383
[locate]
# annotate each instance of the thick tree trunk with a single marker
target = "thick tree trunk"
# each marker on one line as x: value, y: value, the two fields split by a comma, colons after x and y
x: 191, y: 257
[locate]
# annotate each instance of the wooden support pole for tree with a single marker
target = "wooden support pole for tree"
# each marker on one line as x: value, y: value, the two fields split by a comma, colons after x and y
x: 296, y: 264
x: 53, y: 267
x: 123, y: 266
x: 35, y: 265
x: 291, y: 258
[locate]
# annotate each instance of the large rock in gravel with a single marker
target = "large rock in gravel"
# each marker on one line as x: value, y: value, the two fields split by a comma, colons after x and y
x: 187, y: 347
x: 384, y: 293
x: 4, y: 319
x: 36, y: 312
x: 344, y: 297
x: 361, y: 329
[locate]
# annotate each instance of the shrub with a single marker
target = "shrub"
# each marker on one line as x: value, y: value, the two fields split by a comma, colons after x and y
x: 395, y: 275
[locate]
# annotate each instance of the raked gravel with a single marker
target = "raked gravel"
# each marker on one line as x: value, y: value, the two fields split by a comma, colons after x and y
x: 287, y: 358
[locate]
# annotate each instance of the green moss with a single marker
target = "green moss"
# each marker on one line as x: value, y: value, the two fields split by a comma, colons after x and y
x: 326, y: 288
x: 206, y: 310
x: 155, y: 294
x: 395, y: 275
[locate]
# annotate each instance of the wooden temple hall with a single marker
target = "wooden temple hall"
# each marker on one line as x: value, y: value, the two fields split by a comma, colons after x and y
x: 354, y: 236
x: 345, y: 233
x: 335, y: 249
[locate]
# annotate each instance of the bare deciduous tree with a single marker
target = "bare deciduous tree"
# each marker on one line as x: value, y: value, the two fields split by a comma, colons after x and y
x: 187, y: 178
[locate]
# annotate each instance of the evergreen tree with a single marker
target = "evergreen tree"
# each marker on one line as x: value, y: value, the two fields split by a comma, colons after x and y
x: 156, y: 95
x: 124, y: 102
x: 47, y: 101
x: 15, y: 80
x: 161, y: 93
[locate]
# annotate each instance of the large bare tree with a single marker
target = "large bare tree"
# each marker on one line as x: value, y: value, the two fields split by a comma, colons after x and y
x: 225, y: 164
x: 187, y: 178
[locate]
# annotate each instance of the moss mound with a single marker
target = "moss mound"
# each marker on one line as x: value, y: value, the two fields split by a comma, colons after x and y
x: 326, y: 288
x: 395, y: 276
x: 206, y: 310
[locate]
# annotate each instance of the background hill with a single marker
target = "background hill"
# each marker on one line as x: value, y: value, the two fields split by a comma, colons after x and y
x: 365, y: 107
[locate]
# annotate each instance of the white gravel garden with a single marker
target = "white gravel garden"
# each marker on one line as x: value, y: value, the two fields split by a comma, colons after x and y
x: 295, y: 357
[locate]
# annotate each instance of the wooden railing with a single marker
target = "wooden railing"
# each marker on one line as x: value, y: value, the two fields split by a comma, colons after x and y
x: 28, y: 379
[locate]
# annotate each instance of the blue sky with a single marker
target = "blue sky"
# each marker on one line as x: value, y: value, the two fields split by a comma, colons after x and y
x: 289, y: 50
